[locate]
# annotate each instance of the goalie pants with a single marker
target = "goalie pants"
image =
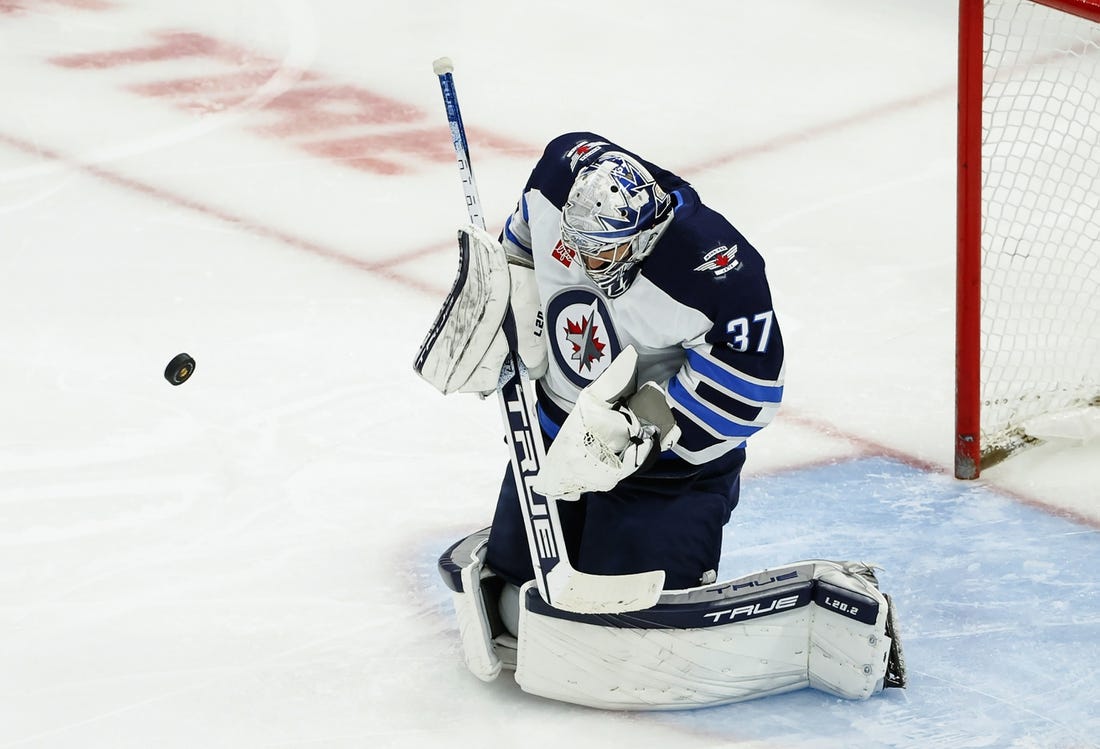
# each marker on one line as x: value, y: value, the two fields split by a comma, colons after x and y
x: 648, y: 521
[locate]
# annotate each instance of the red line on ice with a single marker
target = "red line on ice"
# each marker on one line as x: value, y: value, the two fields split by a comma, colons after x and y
x: 380, y: 268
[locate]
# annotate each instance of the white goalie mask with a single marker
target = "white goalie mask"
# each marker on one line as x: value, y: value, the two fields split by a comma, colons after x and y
x: 615, y: 202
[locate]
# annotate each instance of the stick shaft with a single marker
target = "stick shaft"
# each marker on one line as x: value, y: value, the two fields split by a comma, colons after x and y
x: 462, y: 148
x: 540, y: 514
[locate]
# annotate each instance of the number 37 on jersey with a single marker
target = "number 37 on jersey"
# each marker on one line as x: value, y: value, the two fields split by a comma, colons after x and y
x: 750, y: 334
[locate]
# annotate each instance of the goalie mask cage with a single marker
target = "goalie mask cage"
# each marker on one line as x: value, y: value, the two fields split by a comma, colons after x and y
x: 1028, y: 311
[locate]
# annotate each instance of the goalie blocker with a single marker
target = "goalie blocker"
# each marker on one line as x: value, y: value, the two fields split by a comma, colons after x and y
x: 816, y: 623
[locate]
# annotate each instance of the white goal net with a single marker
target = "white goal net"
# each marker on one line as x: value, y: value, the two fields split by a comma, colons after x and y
x: 1040, y: 245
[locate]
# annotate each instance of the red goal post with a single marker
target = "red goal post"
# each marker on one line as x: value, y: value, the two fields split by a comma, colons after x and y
x: 1028, y: 215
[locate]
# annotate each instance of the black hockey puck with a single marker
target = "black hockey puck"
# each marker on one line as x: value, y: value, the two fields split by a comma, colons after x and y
x: 179, y: 369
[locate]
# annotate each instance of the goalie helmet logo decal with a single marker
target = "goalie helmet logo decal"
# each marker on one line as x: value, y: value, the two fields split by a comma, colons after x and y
x: 582, y: 335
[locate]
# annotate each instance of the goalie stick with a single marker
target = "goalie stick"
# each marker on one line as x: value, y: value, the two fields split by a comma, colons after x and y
x: 559, y: 583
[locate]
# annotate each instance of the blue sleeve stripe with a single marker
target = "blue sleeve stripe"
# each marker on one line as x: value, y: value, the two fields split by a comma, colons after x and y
x: 548, y: 425
x: 731, y: 382
x: 715, y: 421
x: 523, y: 209
x: 512, y: 237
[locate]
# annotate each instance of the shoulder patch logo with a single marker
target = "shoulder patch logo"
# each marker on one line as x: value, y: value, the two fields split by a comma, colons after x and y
x: 721, y: 261
x: 584, y: 151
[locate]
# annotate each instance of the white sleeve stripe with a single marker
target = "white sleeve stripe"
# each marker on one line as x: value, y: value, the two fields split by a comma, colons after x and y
x: 707, y: 454
x: 719, y: 422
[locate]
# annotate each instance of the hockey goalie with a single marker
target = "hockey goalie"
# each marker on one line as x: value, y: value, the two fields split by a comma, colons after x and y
x: 641, y: 323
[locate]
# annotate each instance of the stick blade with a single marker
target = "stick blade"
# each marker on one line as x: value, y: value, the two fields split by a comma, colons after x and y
x: 582, y: 593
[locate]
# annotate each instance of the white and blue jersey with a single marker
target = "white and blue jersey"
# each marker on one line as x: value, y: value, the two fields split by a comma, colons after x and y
x: 699, y: 313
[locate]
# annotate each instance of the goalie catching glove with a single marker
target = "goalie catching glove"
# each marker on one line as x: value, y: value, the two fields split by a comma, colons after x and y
x: 466, y: 347
x: 605, y: 438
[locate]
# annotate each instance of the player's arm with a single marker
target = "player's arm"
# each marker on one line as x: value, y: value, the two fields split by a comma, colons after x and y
x: 516, y: 235
x: 727, y: 390
x: 730, y: 385
x: 551, y: 177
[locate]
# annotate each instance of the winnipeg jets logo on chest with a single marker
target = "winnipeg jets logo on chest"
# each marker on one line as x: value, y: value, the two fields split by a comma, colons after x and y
x: 582, y: 335
x: 720, y: 261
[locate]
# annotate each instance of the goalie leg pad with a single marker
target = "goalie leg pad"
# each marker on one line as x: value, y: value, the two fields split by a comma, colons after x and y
x: 661, y: 668
x: 817, y: 623
x: 849, y: 642
x: 475, y: 591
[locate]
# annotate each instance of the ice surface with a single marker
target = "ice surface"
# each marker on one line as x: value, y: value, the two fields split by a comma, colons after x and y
x: 248, y: 560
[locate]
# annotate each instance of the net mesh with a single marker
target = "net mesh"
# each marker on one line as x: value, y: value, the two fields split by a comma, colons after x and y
x: 1041, y: 217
